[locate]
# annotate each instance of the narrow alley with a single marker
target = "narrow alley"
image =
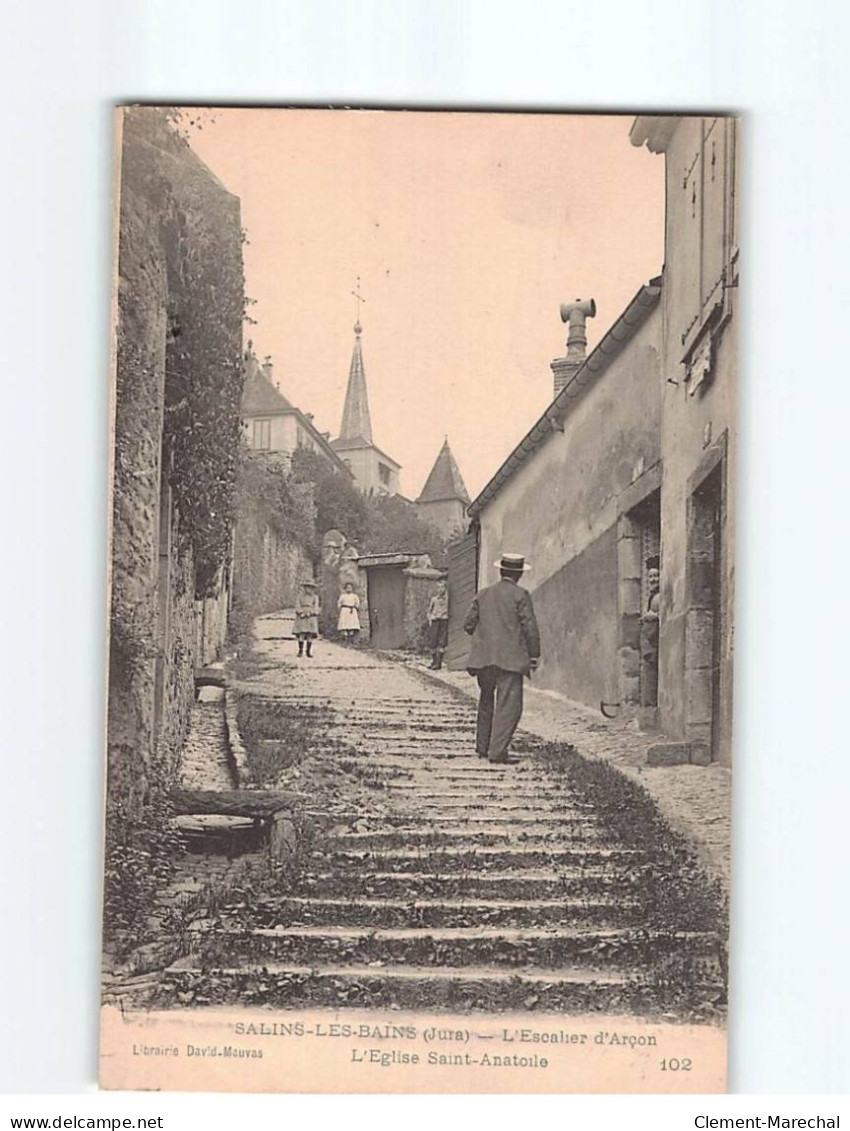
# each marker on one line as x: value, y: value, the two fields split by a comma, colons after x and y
x: 423, y: 877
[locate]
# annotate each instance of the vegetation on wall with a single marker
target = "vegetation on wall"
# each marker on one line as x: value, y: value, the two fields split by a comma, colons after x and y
x: 339, y: 505
x: 395, y: 526
x: 376, y: 525
x: 268, y: 502
x: 177, y: 415
x: 201, y: 242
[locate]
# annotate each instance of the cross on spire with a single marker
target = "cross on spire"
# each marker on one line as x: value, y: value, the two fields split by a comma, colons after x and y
x: 359, y: 298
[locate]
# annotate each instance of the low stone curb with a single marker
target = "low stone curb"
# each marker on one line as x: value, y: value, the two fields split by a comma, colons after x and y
x: 237, y: 755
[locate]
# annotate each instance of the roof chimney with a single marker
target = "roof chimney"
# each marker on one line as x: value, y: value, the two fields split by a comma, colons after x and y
x: 576, y: 314
x: 268, y: 370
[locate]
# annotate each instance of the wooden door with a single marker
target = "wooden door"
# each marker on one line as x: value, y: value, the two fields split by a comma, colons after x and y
x: 705, y: 629
x: 463, y: 585
x: 386, y: 606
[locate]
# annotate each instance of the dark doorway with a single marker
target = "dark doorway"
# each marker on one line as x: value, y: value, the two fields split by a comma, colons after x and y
x: 639, y: 554
x: 462, y: 584
x: 386, y: 606
x: 704, y: 633
x: 648, y: 522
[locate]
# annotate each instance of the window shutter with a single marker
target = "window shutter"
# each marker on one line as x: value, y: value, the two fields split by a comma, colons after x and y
x: 715, y: 174
x: 690, y: 250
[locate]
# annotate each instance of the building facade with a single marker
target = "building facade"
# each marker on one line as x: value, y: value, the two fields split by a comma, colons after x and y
x: 375, y: 472
x: 579, y: 498
x: 698, y: 434
x: 272, y: 424
x: 621, y: 495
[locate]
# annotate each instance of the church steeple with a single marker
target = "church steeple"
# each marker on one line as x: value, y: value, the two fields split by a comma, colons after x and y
x: 356, y: 422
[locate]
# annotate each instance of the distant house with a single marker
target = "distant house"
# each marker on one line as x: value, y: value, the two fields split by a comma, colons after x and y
x: 444, y: 498
x: 272, y: 424
x: 375, y: 472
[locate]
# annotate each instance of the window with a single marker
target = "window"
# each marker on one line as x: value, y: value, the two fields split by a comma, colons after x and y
x: 262, y: 438
x: 710, y: 244
x: 384, y: 474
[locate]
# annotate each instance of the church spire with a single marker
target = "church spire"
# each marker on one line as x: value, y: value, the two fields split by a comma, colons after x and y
x: 356, y: 423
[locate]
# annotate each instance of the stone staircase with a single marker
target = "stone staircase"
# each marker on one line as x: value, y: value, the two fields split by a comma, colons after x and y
x: 468, y: 886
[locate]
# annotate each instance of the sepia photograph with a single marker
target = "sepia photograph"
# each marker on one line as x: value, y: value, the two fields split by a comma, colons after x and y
x: 421, y: 599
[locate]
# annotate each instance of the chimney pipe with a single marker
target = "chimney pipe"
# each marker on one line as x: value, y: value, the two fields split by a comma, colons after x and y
x: 576, y: 314
x: 268, y: 370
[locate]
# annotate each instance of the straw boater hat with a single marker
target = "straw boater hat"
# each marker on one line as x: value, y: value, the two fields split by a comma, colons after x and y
x: 309, y: 582
x: 516, y: 563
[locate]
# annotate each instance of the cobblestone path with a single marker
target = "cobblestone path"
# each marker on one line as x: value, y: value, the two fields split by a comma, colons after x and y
x: 440, y: 881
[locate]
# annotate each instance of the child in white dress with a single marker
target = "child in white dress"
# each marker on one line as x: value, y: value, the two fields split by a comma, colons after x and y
x: 349, y: 619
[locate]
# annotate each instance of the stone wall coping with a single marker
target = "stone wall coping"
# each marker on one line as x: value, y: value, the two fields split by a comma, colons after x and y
x: 237, y: 755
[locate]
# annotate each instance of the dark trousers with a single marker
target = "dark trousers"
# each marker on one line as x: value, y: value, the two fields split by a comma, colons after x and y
x: 499, y: 711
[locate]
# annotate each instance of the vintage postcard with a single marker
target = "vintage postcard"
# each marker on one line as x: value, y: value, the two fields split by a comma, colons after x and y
x: 421, y: 601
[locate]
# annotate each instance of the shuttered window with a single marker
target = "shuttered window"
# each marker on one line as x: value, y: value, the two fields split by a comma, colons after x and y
x: 709, y: 243
x: 262, y: 439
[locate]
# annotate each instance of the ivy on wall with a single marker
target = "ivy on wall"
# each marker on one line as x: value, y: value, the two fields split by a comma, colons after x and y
x: 201, y: 240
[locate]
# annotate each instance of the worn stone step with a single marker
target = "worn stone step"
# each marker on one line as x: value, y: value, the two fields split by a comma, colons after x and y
x: 339, y: 823
x: 438, y: 912
x: 451, y: 946
x: 404, y: 722
x: 572, y: 990
x: 420, y: 734
x: 474, y: 804
x: 460, y: 859
x: 483, y: 821
x: 477, y: 769
x: 430, y: 837
x: 413, y: 714
x: 479, y: 791
x: 472, y: 769
x: 504, y: 780
x: 566, y: 990
x: 441, y: 752
x: 517, y: 884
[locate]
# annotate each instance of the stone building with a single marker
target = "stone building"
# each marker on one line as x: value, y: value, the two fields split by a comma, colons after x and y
x: 272, y: 424
x: 579, y: 498
x: 444, y: 498
x: 621, y: 493
x: 178, y: 381
x: 397, y: 590
x: 698, y: 432
x: 375, y: 473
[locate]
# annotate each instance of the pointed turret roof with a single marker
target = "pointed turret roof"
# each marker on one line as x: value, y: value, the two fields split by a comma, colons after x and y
x: 445, y: 480
x: 356, y: 423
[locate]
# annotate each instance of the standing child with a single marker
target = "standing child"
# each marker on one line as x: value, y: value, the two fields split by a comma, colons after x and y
x: 349, y: 619
x: 307, y: 616
x: 438, y: 624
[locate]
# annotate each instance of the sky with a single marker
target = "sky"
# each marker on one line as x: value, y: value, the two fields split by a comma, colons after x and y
x: 467, y: 232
